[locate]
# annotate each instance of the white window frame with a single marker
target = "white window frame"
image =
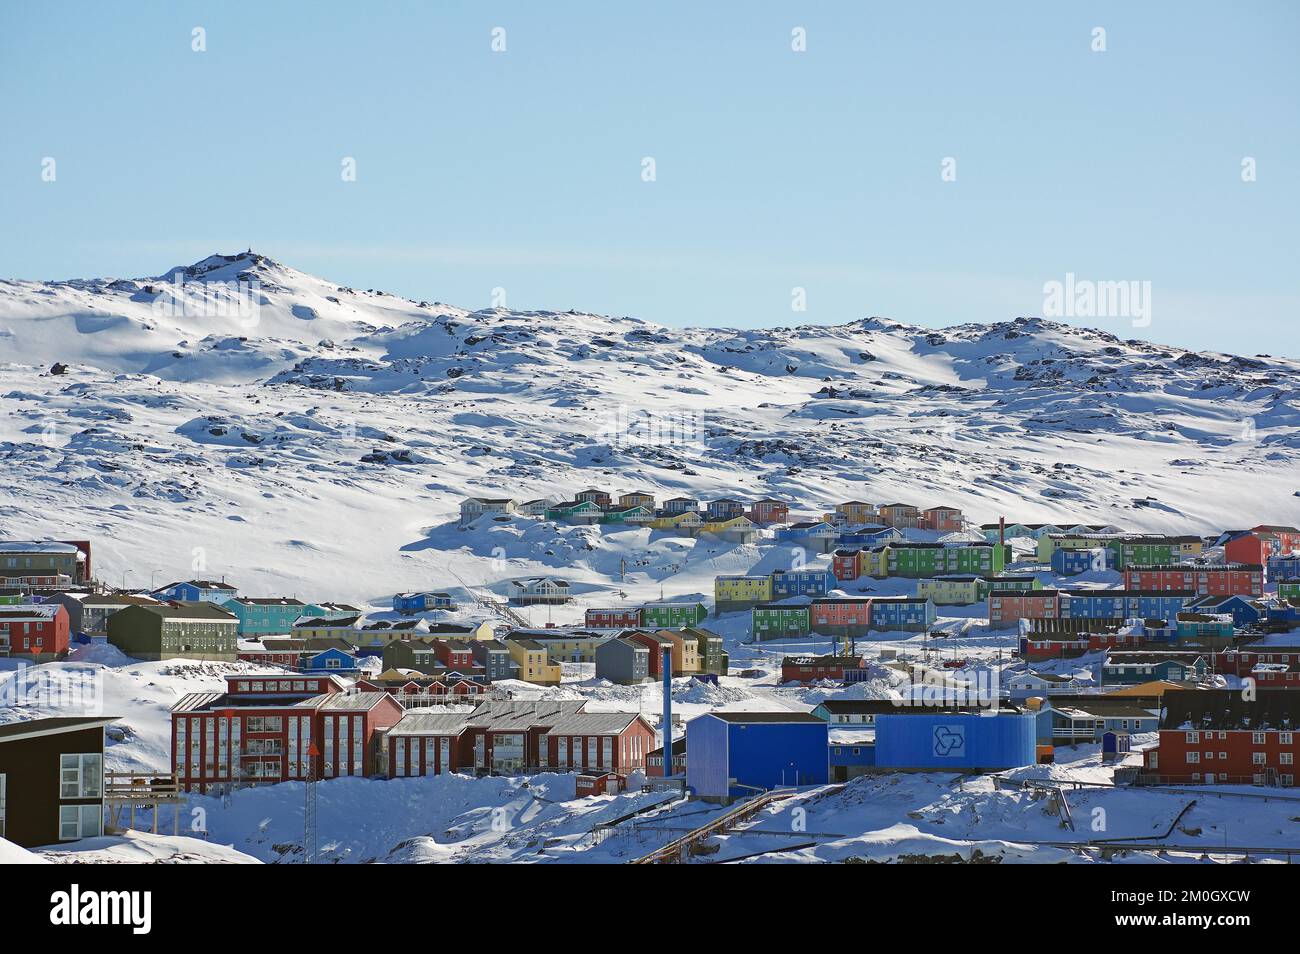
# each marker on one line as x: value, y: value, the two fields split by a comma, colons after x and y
x: 87, y: 765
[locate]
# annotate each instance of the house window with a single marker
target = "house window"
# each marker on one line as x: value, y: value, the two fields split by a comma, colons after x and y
x: 81, y: 776
x: 80, y: 821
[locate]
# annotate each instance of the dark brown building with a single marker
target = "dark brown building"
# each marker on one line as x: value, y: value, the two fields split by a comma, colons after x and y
x: 52, y: 780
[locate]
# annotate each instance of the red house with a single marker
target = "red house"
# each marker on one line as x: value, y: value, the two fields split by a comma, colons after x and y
x: 654, y: 763
x: 1226, y: 579
x: 627, y: 617
x: 769, y: 510
x: 510, y: 738
x: 1256, y: 545
x: 269, y: 728
x: 942, y: 519
x: 808, y: 669
x: 1010, y: 607
x: 39, y: 632
x: 1039, y: 650
x: 840, y: 616
x: 847, y: 565
x: 1218, y: 736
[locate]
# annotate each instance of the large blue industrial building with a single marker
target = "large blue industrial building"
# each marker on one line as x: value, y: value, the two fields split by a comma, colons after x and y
x: 732, y: 754
x: 955, y: 741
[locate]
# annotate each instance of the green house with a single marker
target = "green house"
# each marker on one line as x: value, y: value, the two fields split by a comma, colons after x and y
x: 926, y: 560
x: 166, y: 630
x: 1011, y: 584
x: 673, y: 615
x: 1289, y: 589
x: 574, y: 511
x: 778, y: 620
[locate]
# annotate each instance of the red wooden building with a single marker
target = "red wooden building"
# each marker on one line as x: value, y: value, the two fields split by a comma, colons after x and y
x: 39, y: 632
x: 1038, y: 650
x: 807, y: 669
x: 507, y: 738
x: 623, y: 617
x: 265, y: 728
x: 942, y: 519
x: 840, y: 616
x: 1218, y: 736
x: 1227, y: 579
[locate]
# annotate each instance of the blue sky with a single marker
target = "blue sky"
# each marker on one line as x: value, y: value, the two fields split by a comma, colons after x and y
x: 774, y: 169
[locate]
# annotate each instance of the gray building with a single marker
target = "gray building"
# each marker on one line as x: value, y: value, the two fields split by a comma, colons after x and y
x: 624, y: 661
x: 494, y: 656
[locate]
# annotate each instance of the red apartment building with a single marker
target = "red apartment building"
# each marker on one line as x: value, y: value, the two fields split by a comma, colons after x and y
x: 265, y: 728
x: 1217, y: 736
x: 1230, y: 579
x: 38, y: 632
x: 627, y: 617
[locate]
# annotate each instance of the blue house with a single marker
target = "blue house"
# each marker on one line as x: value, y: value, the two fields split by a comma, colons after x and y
x: 270, y: 616
x: 906, y: 613
x: 331, y: 660
x: 869, y: 536
x: 1122, y: 604
x: 410, y: 603
x: 197, y: 591
x: 1073, y: 562
x: 787, y: 583
x: 734, y: 754
x: 1076, y: 720
x: 1243, y: 610
x: 955, y: 741
x: 1284, y: 566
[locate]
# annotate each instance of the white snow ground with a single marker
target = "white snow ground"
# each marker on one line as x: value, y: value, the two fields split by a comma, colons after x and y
x: 217, y: 446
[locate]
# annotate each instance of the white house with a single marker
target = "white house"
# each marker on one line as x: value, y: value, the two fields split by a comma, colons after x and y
x: 538, y: 589
x: 1030, y: 683
x: 536, y: 508
x: 471, y: 508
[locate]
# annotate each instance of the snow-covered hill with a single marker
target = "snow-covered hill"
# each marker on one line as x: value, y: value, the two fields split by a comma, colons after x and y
x: 243, y: 440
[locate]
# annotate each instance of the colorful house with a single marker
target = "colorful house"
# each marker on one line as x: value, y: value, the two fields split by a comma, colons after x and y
x: 902, y: 613
x: 778, y: 620
x: 818, y: 536
x: 1289, y: 589
x: 670, y: 615
x: 806, y: 582
x: 620, y: 617
x: 1260, y: 544
x: 925, y: 560
x: 1122, y: 604
x: 637, y: 498
x: 955, y: 590
x: 1071, y: 562
x: 44, y: 564
x: 734, y: 593
x: 408, y: 604
x: 1220, y: 736
x: 713, y: 659
x: 197, y: 591
x: 900, y: 515
x: 844, y: 617
x: 1007, y: 608
x: 769, y: 510
x: 261, y: 616
x: 853, y: 512
x: 1244, y: 611
x: 680, y: 505
x: 596, y: 496
x: 806, y: 669
x: 623, y: 661
x: 575, y: 511
x: 686, y: 523
x: 1049, y: 543
x: 637, y: 515
x: 37, y: 632
x: 1003, y: 583
x: 846, y: 565
x: 546, y: 590
x: 942, y: 519
x: 1153, y: 550
x: 1231, y: 579
x: 167, y: 630
x: 533, y: 661
x: 725, y: 508
x: 471, y: 508
x: 51, y: 781
x: 739, y: 529
x: 1284, y: 566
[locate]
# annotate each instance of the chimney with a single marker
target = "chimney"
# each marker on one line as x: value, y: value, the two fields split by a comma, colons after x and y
x: 1002, y: 531
x: 668, y: 710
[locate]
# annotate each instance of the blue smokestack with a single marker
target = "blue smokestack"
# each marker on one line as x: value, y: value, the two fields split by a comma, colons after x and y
x: 668, y: 711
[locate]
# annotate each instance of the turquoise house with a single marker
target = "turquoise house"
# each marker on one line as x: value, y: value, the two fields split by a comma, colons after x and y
x: 270, y: 616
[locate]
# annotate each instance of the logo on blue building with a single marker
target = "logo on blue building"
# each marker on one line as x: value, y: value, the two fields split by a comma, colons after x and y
x: 949, y: 740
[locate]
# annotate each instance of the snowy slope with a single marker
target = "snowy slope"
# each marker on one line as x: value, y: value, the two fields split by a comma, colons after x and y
x: 244, y: 438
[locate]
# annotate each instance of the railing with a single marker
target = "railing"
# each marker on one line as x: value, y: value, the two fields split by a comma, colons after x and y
x: 678, y: 848
x: 134, y: 786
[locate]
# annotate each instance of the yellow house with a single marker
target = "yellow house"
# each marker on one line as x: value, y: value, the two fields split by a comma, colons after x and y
x: 855, y: 511
x: 534, y: 662
x: 1050, y: 543
x: 688, y: 522
x: 742, y: 589
x: 737, y: 528
x: 686, y: 652
x: 874, y: 562
x: 951, y: 590
x: 636, y: 499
